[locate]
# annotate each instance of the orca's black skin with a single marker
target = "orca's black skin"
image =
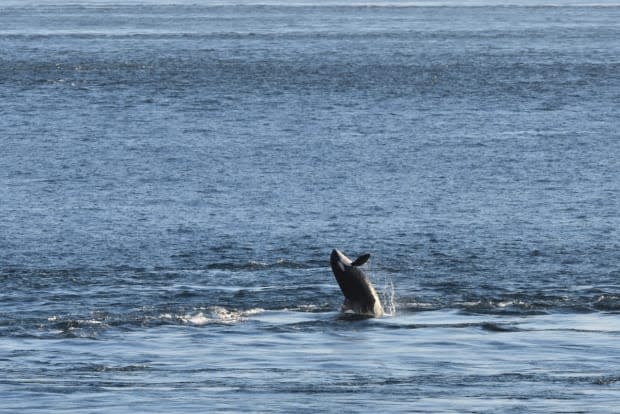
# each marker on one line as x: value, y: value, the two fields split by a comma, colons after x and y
x: 360, y: 295
x: 361, y: 260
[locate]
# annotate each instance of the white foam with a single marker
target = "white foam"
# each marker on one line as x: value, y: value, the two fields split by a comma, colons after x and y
x: 217, y: 315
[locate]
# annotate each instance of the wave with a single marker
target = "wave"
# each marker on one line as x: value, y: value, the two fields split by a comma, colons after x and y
x: 517, y: 303
x: 276, y: 285
x: 607, y: 303
x: 213, y: 315
x: 70, y: 326
x: 283, y: 294
x: 258, y: 265
x: 302, y: 317
x: 484, y: 325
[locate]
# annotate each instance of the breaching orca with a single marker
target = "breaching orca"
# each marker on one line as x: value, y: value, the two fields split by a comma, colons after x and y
x: 360, y: 296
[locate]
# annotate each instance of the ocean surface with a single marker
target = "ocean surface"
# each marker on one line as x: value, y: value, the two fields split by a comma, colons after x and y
x: 174, y: 175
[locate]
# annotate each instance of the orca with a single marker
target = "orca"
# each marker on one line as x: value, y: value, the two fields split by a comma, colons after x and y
x: 360, y: 296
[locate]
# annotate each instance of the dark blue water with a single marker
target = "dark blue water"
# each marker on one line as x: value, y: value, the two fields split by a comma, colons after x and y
x: 173, y: 177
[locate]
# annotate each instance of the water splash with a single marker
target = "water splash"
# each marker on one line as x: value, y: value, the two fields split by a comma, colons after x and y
x: 388, y: 296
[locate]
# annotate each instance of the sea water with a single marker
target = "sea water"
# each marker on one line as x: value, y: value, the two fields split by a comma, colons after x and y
x: 174, y: 175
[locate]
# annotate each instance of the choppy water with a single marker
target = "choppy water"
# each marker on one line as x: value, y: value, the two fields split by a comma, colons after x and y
x: 173, y: 177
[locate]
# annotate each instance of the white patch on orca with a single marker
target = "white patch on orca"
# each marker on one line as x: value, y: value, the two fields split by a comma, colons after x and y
x: 341, y: 265
x: 344, y: 259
